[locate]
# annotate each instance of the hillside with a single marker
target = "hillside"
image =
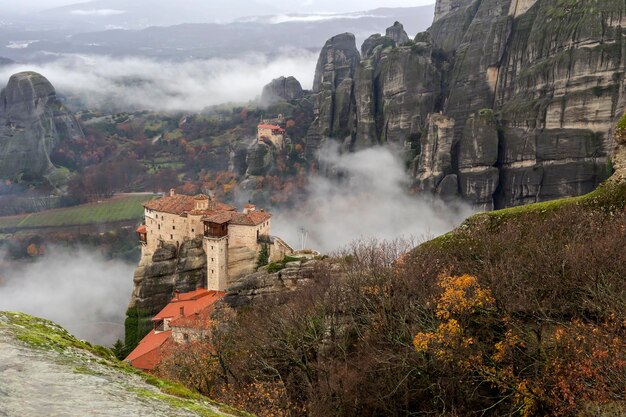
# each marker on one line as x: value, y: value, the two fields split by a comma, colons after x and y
x: 518, y: 312
x: 46, y: 371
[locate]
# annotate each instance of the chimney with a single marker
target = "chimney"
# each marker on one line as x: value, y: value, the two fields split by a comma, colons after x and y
x: 182, y: 311
x: 172, y: 192
x: 176, y: 294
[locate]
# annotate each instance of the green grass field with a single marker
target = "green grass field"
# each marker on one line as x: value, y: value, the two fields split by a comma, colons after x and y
x: 116, y: 209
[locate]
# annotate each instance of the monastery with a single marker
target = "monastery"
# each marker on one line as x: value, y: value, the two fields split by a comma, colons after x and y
x: 232, y: 240
x: 271, y: 134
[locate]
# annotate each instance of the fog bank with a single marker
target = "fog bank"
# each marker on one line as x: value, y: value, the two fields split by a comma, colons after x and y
x: 77, y: 289
x: 135, y: 83
x: 369, y: 201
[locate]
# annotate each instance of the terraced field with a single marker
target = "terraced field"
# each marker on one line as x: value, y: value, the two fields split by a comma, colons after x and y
x: 124, y: 207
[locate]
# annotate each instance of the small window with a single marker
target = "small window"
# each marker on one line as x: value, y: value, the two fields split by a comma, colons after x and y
x: 211, y: 247
x: 193, y: 230
x: 159, y: 227
x: 212, y: 271
x: 185, y: 337
x: 212, y: 259
x: 172, y: 237
x: 173, y: 227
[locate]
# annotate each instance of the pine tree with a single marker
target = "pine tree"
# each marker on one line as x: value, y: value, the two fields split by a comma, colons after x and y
x: 264, y: 256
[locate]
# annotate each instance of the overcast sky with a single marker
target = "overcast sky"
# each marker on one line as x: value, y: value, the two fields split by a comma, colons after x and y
x: 288, y: 5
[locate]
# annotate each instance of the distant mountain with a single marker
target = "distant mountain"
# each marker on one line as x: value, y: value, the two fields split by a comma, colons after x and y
x: 202, y: 40
x: 138, y: 14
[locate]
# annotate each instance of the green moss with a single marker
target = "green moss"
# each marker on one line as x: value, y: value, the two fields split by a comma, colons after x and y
x: 609, y: 197
x: 45, y: 335
x: 83, y: 370
x: 275, y: 267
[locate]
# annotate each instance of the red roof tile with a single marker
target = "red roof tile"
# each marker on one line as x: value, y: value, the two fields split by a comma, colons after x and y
x: 199, y: 320
x: 253, y: 218
x: 142, y: 229
x: 180, y: 203
x: 272, y: 127
x: 220, y: 217
x: 190, y: 302
x: 147, y: 354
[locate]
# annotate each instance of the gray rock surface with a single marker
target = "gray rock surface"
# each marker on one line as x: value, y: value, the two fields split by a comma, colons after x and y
x: 72, y: 381
x: 167, y: 270
x: 256, y: 286
x: 532, y: 91
x: 282, y: 89
x: 333, y: 89
x: 397, y: 34
x: 32, y: 122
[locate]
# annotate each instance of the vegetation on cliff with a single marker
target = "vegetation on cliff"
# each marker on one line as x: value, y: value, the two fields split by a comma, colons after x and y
x: 517, y: 312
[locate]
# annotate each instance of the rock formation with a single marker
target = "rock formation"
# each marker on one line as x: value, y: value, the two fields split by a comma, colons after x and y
x: 167, y: 270
x: 264, y: 284
x: 526, y: 92
x: 32, y: 122
x: 397, y: 34
x: 282, y: 89
x: 46, y: 371
x: 333, y: 88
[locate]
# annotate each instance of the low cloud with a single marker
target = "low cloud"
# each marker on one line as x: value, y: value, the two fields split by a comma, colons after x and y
x: 77, y: 289
x: 146, y: 84
x: 97, y: 12
x: 370, y: 200
x: 318, y: 17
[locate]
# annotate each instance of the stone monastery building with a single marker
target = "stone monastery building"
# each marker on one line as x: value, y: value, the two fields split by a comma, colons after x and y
x: 271, y: 134
x: 232, y: 240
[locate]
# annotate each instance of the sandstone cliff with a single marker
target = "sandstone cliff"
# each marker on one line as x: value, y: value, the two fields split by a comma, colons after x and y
x: 32, y: 122
x: 528, y: 91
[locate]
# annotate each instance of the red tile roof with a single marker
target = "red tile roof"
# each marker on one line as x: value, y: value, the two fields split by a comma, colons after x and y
x: 180, y: 204
x: 190, y: 302
x: 272, y: 127
x: 253, y: 218
x: 147, y: 354
x: 198, y: 306
x: 199, y: 320
x: 142, y: 229
x: 220, y: 217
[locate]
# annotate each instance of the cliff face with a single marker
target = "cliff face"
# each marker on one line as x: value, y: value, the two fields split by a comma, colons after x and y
x: 528, y: 91
x: 168, y: 269
x: 32, y: 122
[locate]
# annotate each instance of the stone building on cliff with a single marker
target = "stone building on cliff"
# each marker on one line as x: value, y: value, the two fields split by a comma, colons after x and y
x: 271, y: 134
x: 231, y: 240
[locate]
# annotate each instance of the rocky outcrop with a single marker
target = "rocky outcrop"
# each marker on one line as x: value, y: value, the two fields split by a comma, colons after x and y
x: 531, y: 90
x: 282, y: 89
x: 397, y: 34
x: 333, y: 89
x: 32, y: 122
x: 261, y: 284
x: 260, y: 159
x: 45, y: 371
x: 169, y: 269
